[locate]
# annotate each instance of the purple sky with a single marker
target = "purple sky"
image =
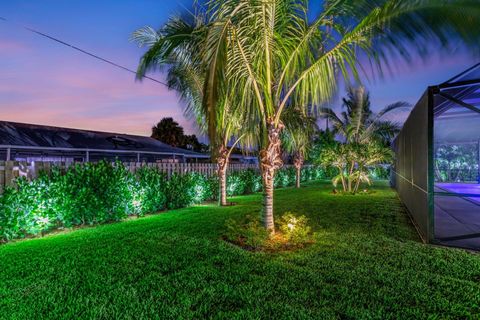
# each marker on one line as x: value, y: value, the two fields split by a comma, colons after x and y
x: 46, y: 83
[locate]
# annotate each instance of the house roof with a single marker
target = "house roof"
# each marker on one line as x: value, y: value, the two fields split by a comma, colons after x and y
x: 457, y: 108
x: 14, y: 134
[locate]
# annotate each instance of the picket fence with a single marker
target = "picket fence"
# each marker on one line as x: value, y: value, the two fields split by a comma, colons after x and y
x: 11, y: 170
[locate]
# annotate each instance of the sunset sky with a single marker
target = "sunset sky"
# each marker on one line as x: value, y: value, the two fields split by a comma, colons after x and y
x: 44, y: 82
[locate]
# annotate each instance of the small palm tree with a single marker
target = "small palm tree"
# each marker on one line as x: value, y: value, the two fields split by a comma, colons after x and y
x: 297, y: 137
x: 177, y: 48
x: 279, y: 56
x: 352, y: 161
x: 358, y: 123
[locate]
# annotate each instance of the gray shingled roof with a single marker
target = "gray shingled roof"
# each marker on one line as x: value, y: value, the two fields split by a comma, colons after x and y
x: 33, y: 135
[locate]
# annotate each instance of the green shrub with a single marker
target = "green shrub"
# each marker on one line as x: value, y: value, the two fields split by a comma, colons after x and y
x: 379, y: 172
x: 94, y: 193
x: 247, y: 232
x: 295, y: 229
x: 235, y: 184
x: 252, y: 181
x: 149, y: 191
x: 179, y: 191
x: 212, y: 186
x: 285, y: 177
x: 27, y: 212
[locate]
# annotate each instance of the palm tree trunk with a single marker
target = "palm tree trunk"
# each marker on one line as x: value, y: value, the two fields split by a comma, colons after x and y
x: 222, y: 164
x: 222, y: 176
x: 350, y: 180
x: 268, y: 179
x: 270, y: 161
x: 357, y: 185
x: 340, y: 172
x: 298, y: 163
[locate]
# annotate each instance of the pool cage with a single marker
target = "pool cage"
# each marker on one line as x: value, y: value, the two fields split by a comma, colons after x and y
x: 437, y: 166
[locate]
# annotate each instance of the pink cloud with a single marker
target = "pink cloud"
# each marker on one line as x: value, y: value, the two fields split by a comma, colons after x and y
x: 11, y: 47
x: 88, y: 97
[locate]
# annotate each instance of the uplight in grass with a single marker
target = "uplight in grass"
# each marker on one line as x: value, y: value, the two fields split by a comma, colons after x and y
x: 295, y: 228
x: 291, y: 224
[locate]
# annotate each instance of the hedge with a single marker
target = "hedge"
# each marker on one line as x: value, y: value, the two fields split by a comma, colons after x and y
x: 96, y: 193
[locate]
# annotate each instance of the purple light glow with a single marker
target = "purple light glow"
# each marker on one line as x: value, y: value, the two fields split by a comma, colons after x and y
x: 462, y: 188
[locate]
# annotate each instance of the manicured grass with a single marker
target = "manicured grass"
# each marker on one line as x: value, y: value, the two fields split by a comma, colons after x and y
x: 367, y: 263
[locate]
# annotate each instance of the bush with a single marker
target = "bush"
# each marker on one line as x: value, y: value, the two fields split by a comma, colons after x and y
x: 247, y: 232
x: 149, y: 191
x: 28, y: 212
x: 235, y: 184
x: 252, y: 181
x: 212, y: 188
x: 295, y: 229
x: 185, y: 190
x: 94, y: 193
x: 380, y: 172
x: 285, y: 177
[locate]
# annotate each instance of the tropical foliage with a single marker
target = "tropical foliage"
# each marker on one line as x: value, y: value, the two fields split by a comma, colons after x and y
x: 456, y: 163
x: 353, y: 160
x: 267, y: 56
x: 365, y: 137
x: 358, y: 123
x: 178, y: 48
x: 297, y: 137
x: 278, y: 57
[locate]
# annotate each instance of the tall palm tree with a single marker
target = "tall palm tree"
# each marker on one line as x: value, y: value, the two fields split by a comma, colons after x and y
x: 278, y: 56
x: 358, y: 123
x: 297, y: 137
x: 177, y: 48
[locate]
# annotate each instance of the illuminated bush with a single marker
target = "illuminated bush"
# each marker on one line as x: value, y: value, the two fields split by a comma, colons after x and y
x: 28, y: 212
x: 184, y: 190
x: 149, y: 191
x: 95, y: 193
x: 235, y: 184
x: 285, y: 177
x: 380, y: 172
x: 295, y: 229
x: 92, y: 193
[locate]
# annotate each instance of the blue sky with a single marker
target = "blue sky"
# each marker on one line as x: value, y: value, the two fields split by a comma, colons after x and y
x: 46, y: 83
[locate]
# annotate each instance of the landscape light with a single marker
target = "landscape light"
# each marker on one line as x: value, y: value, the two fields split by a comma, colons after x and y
x: 291, y: 224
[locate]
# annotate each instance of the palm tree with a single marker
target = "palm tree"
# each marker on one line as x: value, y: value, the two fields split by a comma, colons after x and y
x: 299, y: 132
x: 278, y: 56
x: 358, y: 123
x: 177, y: 48
x: 352, y: 161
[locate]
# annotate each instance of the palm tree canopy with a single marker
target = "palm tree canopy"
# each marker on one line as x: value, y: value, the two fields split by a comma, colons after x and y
x: 358, y: 123
x: 277, y: 56
x: 177, y: 49
x: 300, y: 130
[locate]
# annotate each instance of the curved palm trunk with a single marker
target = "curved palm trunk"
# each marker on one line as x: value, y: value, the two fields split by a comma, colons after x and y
x: 270, y: 161
x: 298, y: 164
x: 222, y: 164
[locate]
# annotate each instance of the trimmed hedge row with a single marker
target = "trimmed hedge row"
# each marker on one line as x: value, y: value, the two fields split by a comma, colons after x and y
x: 95, y: 193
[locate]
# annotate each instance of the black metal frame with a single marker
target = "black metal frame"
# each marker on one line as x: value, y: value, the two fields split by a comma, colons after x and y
x: 453, y: 93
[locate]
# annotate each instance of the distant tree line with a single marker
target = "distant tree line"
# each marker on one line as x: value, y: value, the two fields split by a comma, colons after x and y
x: 170, y: 132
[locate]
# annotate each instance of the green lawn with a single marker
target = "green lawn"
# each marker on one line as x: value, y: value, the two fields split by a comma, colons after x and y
x: 367, y: 263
